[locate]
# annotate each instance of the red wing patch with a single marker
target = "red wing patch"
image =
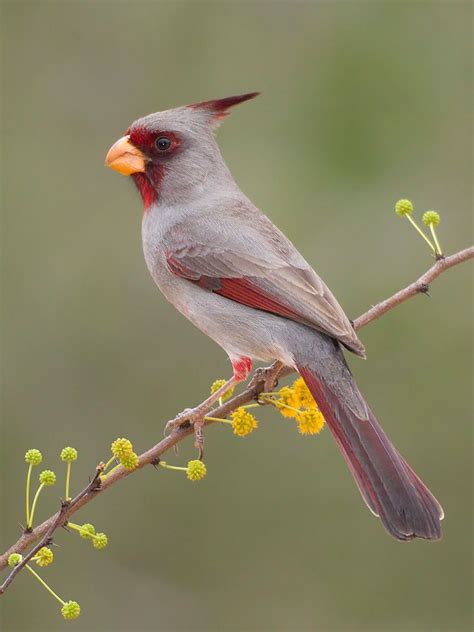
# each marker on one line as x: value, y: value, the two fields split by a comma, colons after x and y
x: 242, y: 290
x: 245, y: 292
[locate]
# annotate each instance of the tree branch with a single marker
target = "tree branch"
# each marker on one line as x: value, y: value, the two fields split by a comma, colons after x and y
x: 43, y: 533
x: 420, y: 286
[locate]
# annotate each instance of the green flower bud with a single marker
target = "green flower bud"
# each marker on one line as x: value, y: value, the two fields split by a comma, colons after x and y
x: 87, y: 530
x: 14, y: 559
x: 403, y: 207
x: 431, y: 218
x: 47, y: 477
x: 34, y: 457
x: 71, y: 610
x: 68, y: 454
x: 44, y: 557
x: 100, y: 541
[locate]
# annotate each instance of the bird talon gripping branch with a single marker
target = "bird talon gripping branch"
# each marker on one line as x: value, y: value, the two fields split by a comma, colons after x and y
x: 184, y: 418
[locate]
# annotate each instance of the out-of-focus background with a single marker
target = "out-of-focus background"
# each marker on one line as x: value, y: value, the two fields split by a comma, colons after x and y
x: 363, y: 103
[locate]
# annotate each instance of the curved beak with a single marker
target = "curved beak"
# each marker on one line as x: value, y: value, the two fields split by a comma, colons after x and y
x: 125, y: 158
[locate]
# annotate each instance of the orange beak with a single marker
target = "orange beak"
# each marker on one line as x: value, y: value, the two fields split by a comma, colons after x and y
x: 125, y: 158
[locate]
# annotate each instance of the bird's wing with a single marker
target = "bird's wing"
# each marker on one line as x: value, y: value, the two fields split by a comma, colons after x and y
x: 253, y: 263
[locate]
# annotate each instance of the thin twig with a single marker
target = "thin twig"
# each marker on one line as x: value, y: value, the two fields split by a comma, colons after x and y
x: 43, y: 533
x: 420, y: 286
x: 54, y: 523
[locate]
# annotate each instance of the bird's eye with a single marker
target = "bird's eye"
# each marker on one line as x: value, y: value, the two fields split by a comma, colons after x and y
x: 162, y: 143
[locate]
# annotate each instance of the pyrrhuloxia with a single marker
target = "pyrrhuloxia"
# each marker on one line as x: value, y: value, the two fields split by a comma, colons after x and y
x: 225, y: 266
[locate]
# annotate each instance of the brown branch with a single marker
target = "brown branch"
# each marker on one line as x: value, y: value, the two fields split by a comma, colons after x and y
x: 53, y: 523
x: 420, y: 286
x: 43, y: 533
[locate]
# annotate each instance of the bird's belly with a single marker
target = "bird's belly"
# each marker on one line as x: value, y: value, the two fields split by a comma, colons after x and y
x: 238, y: 329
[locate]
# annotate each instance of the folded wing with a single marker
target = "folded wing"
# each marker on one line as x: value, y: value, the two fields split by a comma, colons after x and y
x: 259, y: 268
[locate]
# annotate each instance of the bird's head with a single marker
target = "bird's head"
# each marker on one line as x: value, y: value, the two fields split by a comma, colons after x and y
x: 172, y: 153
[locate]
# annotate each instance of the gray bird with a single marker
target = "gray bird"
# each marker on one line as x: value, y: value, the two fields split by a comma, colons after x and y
x: 226, y: 267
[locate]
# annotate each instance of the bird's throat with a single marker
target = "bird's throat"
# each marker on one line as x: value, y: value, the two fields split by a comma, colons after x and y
x: 148, y: 184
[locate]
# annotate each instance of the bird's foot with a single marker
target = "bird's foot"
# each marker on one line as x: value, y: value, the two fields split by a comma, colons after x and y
x: 183, y: 419
x: 268, y: 375
x: 194, y: 417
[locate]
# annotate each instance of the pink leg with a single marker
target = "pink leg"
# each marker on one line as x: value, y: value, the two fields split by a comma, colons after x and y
x: 242, y: 367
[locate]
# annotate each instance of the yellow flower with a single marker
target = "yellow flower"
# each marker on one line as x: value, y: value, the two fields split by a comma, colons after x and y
x: 196, y: 470
x: 286, y: 397
x: 121, y: 448
x: 44, y: 557
x: 243, y: 422
x: 216, y: 386
x: 310, y: 421
x: 303, y: 397
x: 129, y: 461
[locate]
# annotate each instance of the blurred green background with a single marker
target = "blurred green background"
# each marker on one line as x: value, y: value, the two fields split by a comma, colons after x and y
x: 363, y: 103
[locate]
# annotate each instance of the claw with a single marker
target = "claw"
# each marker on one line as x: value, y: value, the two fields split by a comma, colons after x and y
x: 199, y: 434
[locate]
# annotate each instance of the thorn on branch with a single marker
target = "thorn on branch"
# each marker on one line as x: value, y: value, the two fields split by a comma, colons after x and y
x: 424, y: 289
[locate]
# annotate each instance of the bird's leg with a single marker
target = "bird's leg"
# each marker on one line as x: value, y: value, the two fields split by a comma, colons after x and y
x: 196, y: 416
x: 199, y: 414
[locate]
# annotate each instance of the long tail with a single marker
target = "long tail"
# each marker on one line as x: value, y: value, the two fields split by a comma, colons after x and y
x: 388, y: 485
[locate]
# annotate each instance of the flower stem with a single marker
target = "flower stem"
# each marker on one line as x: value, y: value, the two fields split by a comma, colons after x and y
x: 112, y: 470
x: 68, y: 479
x: 108, y: 464
x: 173, y: 467
x: 41, y: 581
x: 76, y: 527
x: 418, y: 229
x: 297, y: 410
x: 33, y: 506
x: 224, y: 421
x: 27, y: 495
x: 438, y: 247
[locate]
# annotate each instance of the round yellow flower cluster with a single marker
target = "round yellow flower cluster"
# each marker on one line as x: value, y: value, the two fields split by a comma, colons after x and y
x: 196, y: 470
x: 122, y: 449
x: 243, y: 422
x: 217, y: 385
x: 44, y: 557
x: 297, y: 402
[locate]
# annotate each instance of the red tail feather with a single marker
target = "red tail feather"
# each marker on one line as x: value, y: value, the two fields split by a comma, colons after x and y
x: 388, y: 485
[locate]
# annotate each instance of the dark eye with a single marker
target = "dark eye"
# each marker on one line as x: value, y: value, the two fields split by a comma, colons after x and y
x: 162, y: 143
